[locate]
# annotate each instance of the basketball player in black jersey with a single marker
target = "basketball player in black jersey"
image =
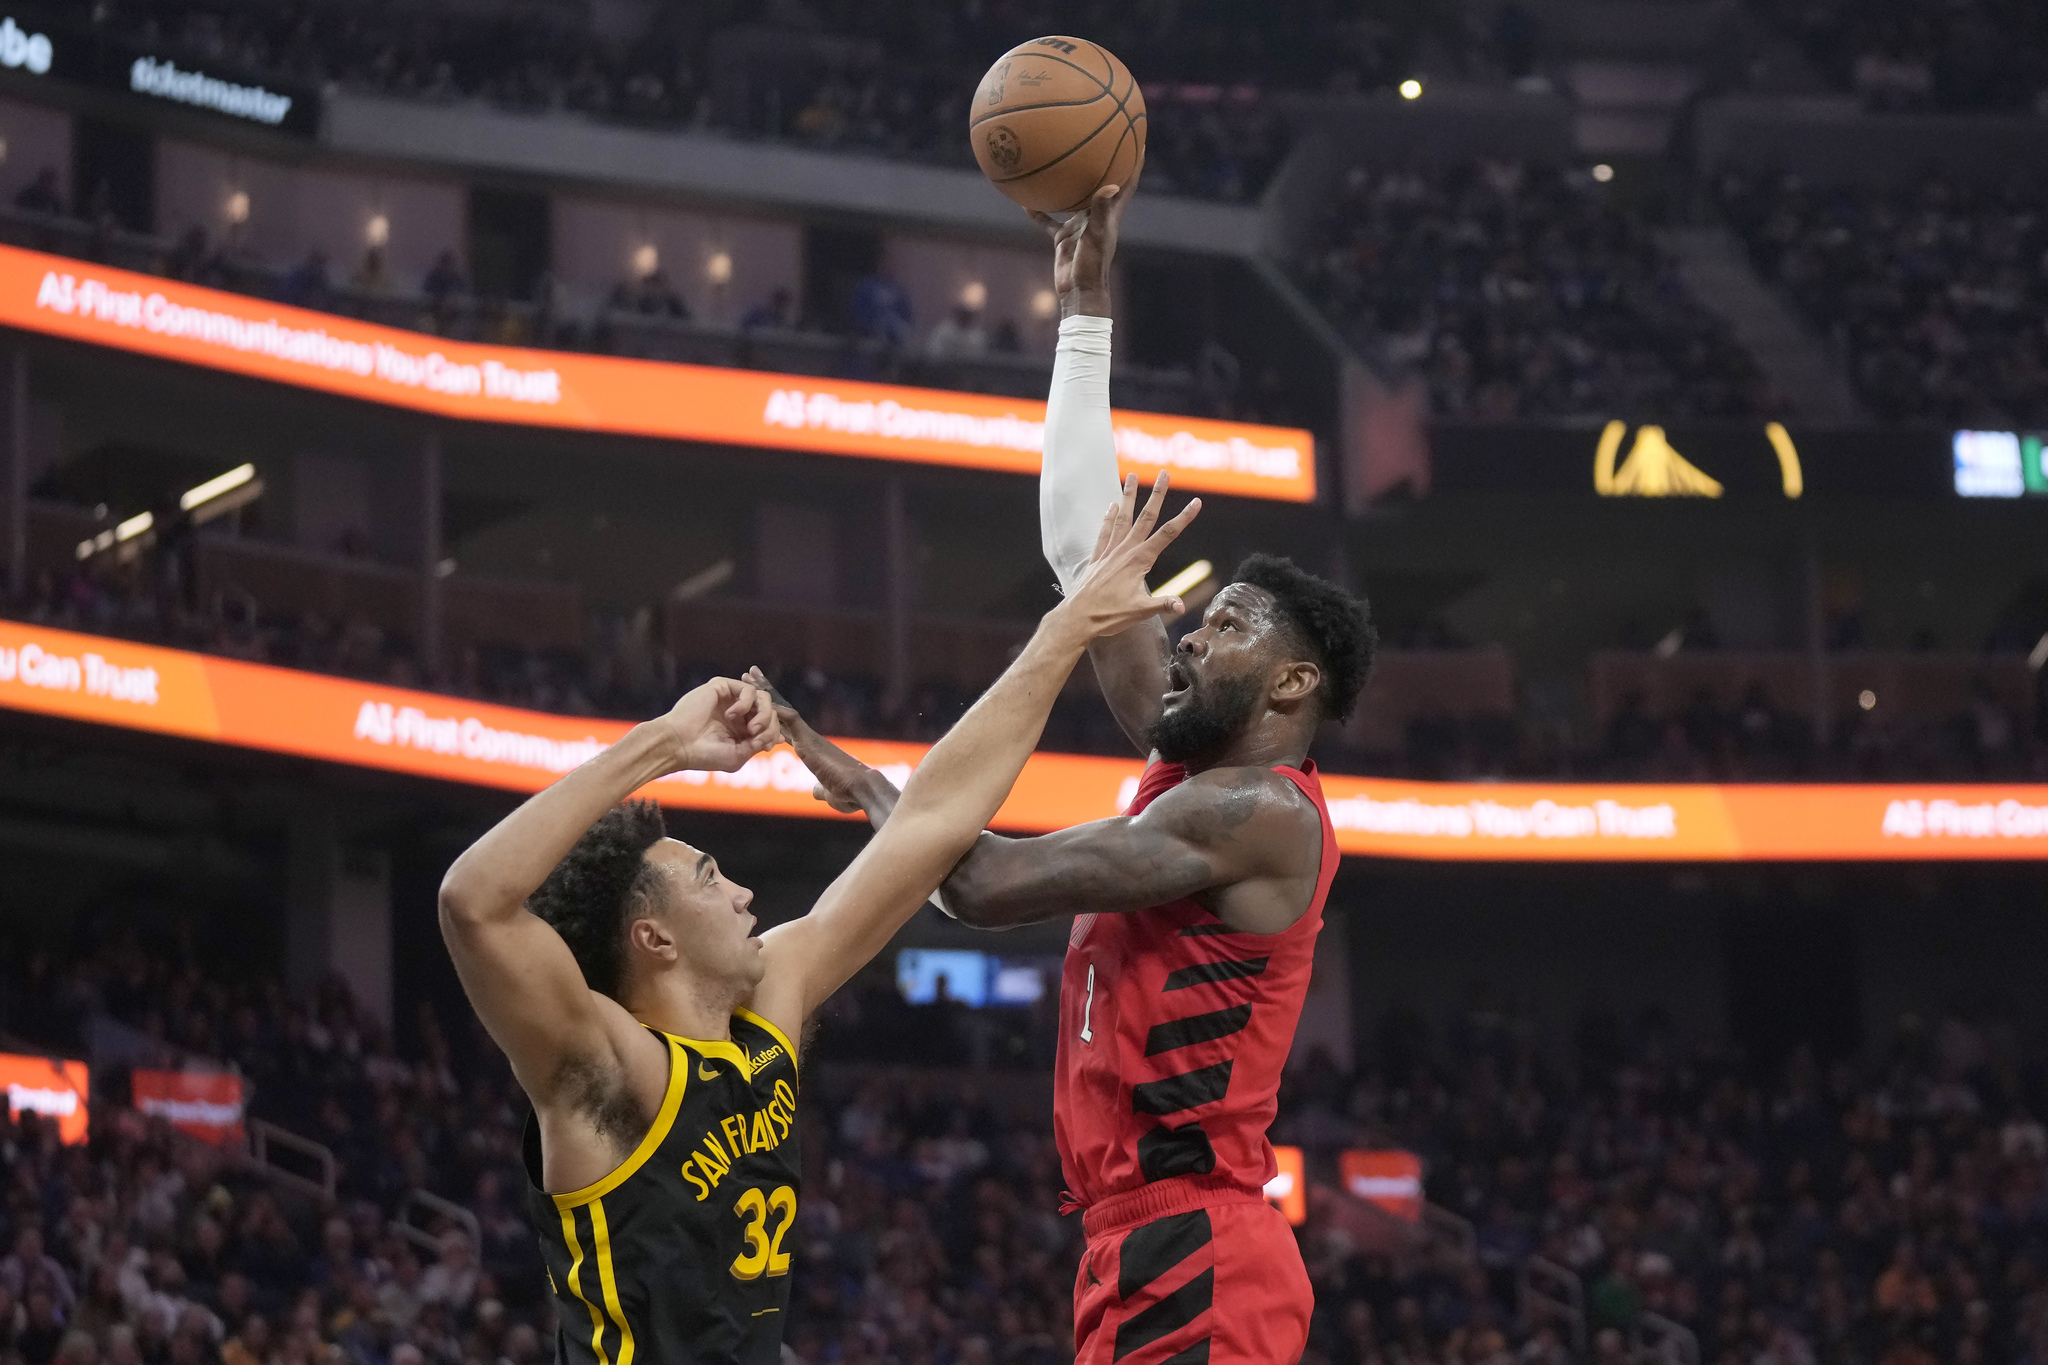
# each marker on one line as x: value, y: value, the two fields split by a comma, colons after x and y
x: 656, y: 1036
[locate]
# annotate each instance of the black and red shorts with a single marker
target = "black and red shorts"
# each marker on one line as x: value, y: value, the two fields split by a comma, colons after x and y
x: 1182, y: 1273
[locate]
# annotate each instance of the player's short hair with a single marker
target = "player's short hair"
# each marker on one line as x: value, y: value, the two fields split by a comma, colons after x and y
x: 1332, y: 626
x: 591, y: 892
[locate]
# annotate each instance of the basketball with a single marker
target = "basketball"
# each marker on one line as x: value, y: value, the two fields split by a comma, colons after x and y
x: 1054, y: 120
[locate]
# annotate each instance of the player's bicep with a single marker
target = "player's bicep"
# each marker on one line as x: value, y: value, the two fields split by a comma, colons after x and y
x: 1104, y: 867
x: 1131, y: 670
x: 531, y: 996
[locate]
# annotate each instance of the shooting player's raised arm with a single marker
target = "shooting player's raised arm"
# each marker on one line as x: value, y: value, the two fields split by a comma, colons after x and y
x: 1079, y: 471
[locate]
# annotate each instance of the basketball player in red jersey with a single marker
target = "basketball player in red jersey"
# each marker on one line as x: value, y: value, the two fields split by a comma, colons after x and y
x: 1195, y: 912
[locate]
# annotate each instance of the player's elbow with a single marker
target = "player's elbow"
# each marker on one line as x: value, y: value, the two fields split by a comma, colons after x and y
x: 970, y: 900
x: 461, y: 904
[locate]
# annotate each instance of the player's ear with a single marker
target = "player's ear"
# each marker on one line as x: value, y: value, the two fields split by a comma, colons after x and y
x: 652, y: 937
x: 1296, y: 681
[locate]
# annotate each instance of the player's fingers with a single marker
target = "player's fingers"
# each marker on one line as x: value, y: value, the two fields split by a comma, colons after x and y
x: 1105, y: 535
x: 742, y: 700
x: 765, y: 721
x: 1154, y: 504
x: 1169, y: 532
x: 1044, y: 220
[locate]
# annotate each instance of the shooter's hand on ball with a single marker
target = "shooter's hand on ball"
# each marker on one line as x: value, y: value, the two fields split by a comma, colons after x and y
x: 1084, y: 246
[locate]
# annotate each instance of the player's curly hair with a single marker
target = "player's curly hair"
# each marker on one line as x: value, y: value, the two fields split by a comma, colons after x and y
x: 1332, y: 625
x: 588, y: 897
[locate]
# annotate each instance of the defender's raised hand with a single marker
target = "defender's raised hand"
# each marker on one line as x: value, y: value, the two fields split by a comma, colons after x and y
x: 719, y: 726
x: 1084, y: 246
x: 1111, y: 596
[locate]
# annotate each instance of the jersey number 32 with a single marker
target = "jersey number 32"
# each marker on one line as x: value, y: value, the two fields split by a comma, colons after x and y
x: 764, y: 1254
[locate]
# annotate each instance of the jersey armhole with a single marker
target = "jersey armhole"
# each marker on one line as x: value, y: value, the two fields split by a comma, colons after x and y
x: 1298, y: 778
x: 671, y: 1102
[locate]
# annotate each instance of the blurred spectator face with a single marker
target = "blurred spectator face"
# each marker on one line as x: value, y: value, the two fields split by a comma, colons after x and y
x: 522, y: 1345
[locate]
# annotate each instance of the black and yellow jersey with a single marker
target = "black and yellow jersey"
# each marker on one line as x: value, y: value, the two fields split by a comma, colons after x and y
x: 681, y: 1255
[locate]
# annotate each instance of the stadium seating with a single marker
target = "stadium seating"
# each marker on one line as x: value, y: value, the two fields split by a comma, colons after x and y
x: 1641, y: 1191
x: 870, y: 79
x: 1910, y: 55
x: 1521, y: 291
x: 1933, y: 292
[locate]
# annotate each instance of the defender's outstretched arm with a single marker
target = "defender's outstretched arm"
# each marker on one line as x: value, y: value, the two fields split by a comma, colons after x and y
x: 960, y: 784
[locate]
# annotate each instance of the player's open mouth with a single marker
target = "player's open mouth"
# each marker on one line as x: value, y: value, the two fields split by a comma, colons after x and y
x: 1177, y: 681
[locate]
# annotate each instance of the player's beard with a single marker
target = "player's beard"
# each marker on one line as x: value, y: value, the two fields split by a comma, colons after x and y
x: 1210, y: 718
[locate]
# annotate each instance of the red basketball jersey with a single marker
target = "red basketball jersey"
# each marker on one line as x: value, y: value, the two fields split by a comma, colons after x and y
x: 1174, y: 1030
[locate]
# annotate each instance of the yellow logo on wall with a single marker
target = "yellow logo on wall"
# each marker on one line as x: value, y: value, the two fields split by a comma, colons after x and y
x: 1655, y: 469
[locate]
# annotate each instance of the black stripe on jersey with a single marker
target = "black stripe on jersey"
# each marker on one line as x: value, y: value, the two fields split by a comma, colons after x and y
x: 1197, y: 1028
x: 1204, y: 930
x: 1157, y: 1247
x: 1204, y: 972
x: 1167, y: 1152
x: 1197, y: 1354
x: 1189, y: 1090
x: 1167, y: 1316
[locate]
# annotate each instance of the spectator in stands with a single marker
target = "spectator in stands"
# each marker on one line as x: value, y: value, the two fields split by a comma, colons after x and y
x: 445, y: 283
x: 42, y: 194
x: 881, y: 310
x: 957, y: 336
x: 371, y: 277
x: 306, y: 284
x: 776, y: 313
x: 650, y: 296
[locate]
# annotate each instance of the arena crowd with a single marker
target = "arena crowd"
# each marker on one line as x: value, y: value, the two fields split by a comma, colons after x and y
x: 1884, y: 1210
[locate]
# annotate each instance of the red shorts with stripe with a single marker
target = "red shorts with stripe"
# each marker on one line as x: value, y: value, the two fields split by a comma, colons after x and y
x: 1180, y: 1274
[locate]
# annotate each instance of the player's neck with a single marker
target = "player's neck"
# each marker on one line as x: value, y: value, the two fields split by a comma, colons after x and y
x: 1261, y: 746
x: 684, y: 1007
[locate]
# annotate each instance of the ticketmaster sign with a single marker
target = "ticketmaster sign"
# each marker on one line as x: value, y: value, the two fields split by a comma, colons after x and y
x: 148, y: 76
x: 57, y: 42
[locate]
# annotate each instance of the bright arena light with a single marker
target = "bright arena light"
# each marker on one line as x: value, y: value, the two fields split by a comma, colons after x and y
x: 718, y: 269
x: 974, y: 295
x: 1187, y: 578
x: 377, y: 231
x: 1411, y: 89
x: 1867, y: 699
x: 645, y: 259
x: 214, y: 487
x: 1603, y: 172
x: 237, y: 207
x: 1044, y: 304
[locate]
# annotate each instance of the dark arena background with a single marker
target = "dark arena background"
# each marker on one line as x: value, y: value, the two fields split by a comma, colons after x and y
x: 396, y: 401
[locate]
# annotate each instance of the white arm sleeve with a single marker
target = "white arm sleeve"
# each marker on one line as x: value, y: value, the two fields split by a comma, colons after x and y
x: 1078, y: 479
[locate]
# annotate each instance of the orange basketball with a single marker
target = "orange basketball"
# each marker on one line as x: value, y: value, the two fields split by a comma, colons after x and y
x: 1055, y: 120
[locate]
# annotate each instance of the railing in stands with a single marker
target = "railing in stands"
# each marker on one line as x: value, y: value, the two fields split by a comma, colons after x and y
x: 263, y: 1136
x: 1451, y: 1232
x: 402, y: 1224
x: 1656, y: 1340
x: 1549, y: 1290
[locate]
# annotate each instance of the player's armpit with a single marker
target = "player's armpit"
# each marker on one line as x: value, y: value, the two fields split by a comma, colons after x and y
x: 526, y: 987
x: 1216, y: 831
